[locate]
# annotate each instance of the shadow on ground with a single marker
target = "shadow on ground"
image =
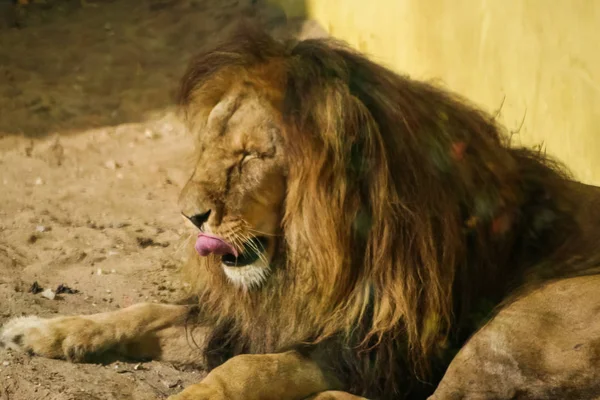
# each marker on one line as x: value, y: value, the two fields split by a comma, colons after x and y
x: 69, y: 65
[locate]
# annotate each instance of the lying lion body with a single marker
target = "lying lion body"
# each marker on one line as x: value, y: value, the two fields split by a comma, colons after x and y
x: 377, y: 223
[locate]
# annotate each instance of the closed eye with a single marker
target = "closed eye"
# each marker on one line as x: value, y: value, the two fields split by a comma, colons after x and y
x: 247, y: 156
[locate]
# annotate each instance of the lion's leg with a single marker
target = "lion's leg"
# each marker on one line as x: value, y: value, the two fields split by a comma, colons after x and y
x: 546, y: 345
x: 288, y: 376
x: 140, y: 331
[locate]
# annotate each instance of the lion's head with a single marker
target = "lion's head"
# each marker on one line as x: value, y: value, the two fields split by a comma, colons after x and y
x: 361, y: 205
x: 235, y: 195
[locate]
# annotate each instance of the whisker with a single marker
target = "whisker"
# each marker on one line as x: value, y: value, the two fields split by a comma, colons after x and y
x: 253, y: 245
x: 244, y: 239
x: 263, y: 233
x: 260, y: 252
x: 249, y: 239
x: 182, y: 243
x: 238, y: 242
x: 249, y: 228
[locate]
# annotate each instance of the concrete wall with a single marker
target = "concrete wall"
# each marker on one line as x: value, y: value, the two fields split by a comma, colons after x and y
x: 541, y: 56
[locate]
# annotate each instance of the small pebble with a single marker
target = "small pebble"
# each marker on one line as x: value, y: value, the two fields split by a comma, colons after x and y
x: 99, y: 271
x: 5, y: 363
x: 172, y: 384
x: 150, y: 134
x: 39, y: 181
x: 41, y: 228
x: 49, y: 294
x: 112, y: 164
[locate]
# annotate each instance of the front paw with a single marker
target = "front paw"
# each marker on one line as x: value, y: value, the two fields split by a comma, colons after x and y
x: 200, y: 391
x: 31, y: 335
x: 72, y: 338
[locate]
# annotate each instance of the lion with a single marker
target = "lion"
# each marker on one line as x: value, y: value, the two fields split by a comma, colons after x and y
x: 360, y: 235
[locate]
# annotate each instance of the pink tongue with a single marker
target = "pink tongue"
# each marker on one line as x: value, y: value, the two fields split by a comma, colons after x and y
x: 208, y: 244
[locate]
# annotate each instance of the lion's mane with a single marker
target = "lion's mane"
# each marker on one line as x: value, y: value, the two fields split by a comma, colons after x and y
x: 407, y: 217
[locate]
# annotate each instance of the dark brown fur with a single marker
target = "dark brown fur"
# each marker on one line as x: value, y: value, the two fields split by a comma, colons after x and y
x: 407, y: 219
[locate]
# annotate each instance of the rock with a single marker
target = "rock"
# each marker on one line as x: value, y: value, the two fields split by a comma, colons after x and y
x: 42, y: 228
x: 172, y: 383
x: 49, y: 294
x: 150, y: 134
x: 138, y: 367
x: 112, y: 164
x: 35, y: 288
x: 65, y: 289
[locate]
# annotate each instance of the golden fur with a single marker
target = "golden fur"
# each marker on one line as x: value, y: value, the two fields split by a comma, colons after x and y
x: 395, y: 216
x: 397, y: 239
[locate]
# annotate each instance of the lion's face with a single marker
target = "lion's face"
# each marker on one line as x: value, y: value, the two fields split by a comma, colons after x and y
x: 236, y: 192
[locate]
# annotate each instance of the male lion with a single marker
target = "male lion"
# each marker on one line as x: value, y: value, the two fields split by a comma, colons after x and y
x: 355, y: 228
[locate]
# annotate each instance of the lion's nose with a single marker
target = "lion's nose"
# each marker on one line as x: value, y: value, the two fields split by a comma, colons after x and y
x: 199, y: 219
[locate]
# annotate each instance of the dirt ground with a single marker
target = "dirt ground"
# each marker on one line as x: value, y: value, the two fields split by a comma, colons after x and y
x: 92, y: 157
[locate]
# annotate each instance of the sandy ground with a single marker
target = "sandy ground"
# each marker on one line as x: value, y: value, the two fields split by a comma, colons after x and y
x: 92, y: 157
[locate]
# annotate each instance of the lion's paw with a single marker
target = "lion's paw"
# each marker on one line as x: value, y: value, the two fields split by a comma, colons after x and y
x: 64, y: 337
x: 19, y: 334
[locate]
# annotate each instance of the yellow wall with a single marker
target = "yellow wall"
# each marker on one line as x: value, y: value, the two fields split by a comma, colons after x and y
x: 541, y: 56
